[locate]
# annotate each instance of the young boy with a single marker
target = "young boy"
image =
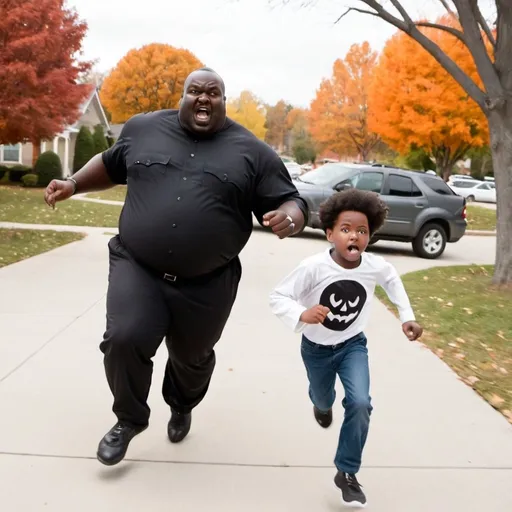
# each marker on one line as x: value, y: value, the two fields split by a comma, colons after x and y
x: 327, y: 298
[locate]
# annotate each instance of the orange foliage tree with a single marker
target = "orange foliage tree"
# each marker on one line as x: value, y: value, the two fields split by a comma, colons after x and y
x: 339, y: 113
x: 146, y: 80
x: 416, y: 103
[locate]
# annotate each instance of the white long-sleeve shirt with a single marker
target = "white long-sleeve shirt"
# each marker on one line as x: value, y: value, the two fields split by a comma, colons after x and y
x: 348, y: 293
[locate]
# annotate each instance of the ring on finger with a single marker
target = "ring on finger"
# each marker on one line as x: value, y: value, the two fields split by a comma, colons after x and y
x: 290, y: 219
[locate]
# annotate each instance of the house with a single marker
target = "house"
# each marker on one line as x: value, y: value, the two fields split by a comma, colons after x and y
x: 91, y: 114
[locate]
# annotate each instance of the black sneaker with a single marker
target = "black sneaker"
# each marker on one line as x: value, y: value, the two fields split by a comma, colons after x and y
x: 351, y: 492
x: 324, y: 419
x: 113, y: 446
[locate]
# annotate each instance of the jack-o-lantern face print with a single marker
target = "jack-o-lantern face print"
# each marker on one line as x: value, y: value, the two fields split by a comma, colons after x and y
x: 345, y: 299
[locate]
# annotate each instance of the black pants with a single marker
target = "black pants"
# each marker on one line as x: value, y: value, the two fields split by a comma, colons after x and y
x: 142, y: 309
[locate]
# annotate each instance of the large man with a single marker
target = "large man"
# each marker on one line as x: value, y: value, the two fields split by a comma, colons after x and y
x: 194, y: 179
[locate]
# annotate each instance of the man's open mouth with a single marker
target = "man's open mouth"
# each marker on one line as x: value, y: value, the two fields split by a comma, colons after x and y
x: 202, y: 114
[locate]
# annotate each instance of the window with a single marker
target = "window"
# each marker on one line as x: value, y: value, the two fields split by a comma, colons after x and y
x: 484, y: 186
x: 402, y: 186
x: 464, y: 184
x: 10, y: 154
x: 371, y: 181
x: 437, y: 185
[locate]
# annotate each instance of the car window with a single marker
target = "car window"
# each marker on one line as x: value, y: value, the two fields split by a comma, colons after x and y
x: 484, y: 186
x: 371, y: 181
x: 402, y: 186
x: 437, y: 185
x: 464, y: 184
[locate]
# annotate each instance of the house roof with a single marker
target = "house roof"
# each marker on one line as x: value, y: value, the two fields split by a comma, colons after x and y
x: 93, y: 96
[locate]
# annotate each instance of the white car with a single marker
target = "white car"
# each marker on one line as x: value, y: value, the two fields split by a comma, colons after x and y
x: 294, y: 169
x: 474, y: 190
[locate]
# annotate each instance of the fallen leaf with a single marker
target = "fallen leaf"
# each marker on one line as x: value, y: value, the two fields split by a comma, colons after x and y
x: 468, y: 311
x: 440, y: 352
x: 460, y: 356
x: 473, y: 367
x: 472, y: 380
x: 504, y: 371
x: 501, y: 335
x: 496, y: 400
x: 425, y: 278
x: 454, y: 345
x: 508, y: 414
x: 460, y: 340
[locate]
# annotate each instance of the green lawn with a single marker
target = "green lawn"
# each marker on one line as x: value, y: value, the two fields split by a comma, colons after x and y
x: 117, y: 193
x: 468, y: 324
x: 18, y: 204
x: 480, y: 218
x: 17, y: 245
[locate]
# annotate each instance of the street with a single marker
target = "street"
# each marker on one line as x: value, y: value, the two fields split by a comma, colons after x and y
x: 254, y: 445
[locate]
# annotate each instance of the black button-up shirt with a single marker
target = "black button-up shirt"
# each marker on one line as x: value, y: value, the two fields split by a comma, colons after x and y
x: 190, y: 199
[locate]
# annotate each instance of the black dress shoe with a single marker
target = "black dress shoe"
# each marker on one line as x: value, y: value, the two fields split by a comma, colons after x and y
x: 178, y: 426
x: 113, y: 446
x: 324, y: 419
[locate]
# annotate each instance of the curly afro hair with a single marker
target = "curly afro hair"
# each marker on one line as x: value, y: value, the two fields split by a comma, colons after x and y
x: 368, y: 203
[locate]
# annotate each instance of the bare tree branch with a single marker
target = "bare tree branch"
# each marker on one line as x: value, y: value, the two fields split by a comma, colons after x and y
x: 398, y: 6
x: 362, y: 11
x: 448, y: 9
x: 485, y: 26
x: 467, y: 10
x: 460, y: 76
x: 457, y: 33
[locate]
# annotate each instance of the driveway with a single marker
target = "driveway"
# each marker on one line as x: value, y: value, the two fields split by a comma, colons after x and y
x: 434, y: 444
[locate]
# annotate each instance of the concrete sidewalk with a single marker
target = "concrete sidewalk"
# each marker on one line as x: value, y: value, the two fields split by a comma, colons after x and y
x: 434, y: 445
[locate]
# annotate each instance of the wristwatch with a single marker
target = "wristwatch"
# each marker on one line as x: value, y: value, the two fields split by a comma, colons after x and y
x: 69, y: 178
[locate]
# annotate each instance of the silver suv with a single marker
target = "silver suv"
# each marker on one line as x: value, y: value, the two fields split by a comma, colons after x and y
x: 422, y: 208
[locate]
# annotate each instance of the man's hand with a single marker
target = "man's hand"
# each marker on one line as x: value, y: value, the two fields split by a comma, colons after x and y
x: 281, y: 223
x: 412, y: 330
x: 58, y: 190
x: 315, y: 315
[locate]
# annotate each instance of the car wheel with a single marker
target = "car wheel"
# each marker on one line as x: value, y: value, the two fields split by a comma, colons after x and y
x: 430, y: 241
x: 470, y: 199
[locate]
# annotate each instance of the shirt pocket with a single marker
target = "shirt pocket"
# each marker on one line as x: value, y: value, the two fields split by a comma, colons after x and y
x: 144, y: 165
x: 224, y: 183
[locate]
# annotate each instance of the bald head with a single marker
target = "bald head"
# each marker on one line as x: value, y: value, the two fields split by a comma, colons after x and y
x: 204, y: 73
x: 203, y: 104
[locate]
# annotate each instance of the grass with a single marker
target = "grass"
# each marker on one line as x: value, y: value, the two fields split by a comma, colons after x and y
x: 17, y: 245
x: 18, y: 204
x: 480, y: 218
x: 117, y: 193
x: 468, y: 324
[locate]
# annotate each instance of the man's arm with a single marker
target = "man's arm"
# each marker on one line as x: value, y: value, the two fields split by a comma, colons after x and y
x: 278, y: 204
x: 101, y: 172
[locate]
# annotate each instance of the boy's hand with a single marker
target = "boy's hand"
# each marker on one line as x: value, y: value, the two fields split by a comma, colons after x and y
x: 315, y: 315
x: 412, y: 330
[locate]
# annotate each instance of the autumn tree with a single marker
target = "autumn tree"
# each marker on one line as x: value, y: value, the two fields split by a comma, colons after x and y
x: 39, y: 72
x: 147, y: 79
x: 493, y: 95
x: 303, y: 146
x: 421, y: 106
x: 249, y: 112
x: 340, y: 113
x: 276, y: 125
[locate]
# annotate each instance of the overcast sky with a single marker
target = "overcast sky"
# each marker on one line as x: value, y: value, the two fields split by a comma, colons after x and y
x: 273, y: 50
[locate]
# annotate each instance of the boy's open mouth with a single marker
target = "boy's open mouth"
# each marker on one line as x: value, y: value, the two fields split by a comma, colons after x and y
x: 353, y: 249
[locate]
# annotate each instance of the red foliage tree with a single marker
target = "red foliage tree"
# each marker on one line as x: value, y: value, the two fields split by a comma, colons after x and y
x: 39, y: 71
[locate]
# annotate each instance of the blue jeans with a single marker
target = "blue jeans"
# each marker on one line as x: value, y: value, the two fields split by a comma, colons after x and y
x: 348, y: 360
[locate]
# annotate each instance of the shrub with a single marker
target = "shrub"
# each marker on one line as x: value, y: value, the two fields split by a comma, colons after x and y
x: 30, y: 180
x: 48, y: 167
x: 100, y: 141
x: 16, y: 172
x: 84, y: 148
x: 3, y: 171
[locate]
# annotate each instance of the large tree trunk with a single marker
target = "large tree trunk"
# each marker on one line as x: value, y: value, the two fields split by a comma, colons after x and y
x: 36, y: 151
x: 500, y: 125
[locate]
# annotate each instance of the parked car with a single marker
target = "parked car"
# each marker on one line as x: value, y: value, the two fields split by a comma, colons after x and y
x: 458, y: 177
x: 481, y: 191
x: 422, y: 208
x: 294, y: 169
